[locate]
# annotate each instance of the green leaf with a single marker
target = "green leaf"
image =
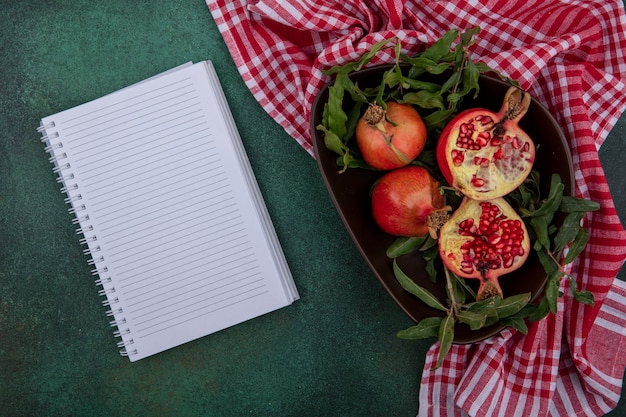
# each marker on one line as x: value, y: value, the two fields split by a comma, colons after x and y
x: 469, y: 82
x: 540, y: 226
x: 458, y: 290
x: 446, y: 336
x: 366, y: 58
x: 552, y: 203
x: 353, y: 118
x: 394, y: 78
x: 332, y: 141
x: 577, y: 205
x: 403, y: 245
x: 488, y: 304
x: 462, y: 283
x: 429, y: 244
x: 425, y: 99
x: 467, y: 37
x: 568, y: 230
x: 409, y: 285
x: 440, y: 50
x: 337, y: 117
x: 552, y: 291
x: 516, y: 323
x: 578, y: 245
x: 542, y: 310
x: 428, y: 327
x: 475, y: 320
x: 546, y: 261
x: 430, y: 270
x: 584, y: 297
x: 430, y: 252
x: 512, y: 305
x: 438, y: 119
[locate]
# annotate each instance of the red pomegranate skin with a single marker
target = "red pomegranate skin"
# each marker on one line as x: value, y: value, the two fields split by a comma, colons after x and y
x: 403, y: 198
x: 386, y: 145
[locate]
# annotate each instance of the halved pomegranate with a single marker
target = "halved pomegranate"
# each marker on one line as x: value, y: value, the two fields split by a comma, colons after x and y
x: 484, y: 240
x: 485, y: 154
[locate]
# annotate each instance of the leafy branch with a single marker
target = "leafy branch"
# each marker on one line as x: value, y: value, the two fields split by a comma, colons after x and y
x: 550, y: 240
x: 436, y: 81
x: 550, y: 235
x: 408, y: 80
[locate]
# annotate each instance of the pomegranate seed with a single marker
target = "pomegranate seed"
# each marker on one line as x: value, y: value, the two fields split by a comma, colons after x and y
x: 480, y: 161
x: 457, y: 157
x: 494, y: 238
x: 477, y: 182
x: 466, y: 223
x: 483, y: 138
x: 483, y: 119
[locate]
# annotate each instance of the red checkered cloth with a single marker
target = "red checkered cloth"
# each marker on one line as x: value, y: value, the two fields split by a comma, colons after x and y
x: 570, y: 54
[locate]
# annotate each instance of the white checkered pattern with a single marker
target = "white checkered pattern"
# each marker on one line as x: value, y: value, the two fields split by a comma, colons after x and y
x: 570, y: 54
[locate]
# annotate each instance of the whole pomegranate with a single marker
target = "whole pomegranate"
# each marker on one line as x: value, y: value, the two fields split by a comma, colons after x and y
x: 390, y: 138
x: 403, y: 199
x: 484, y: 240
x: 485, y: 154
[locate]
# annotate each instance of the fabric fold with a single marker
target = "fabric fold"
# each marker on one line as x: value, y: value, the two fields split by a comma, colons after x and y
x: 570, y: 55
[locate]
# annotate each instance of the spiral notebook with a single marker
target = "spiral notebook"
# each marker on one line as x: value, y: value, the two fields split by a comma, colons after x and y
x: 168, y: 207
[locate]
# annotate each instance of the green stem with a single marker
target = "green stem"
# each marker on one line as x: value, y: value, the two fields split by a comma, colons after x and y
x: 453, y: 304
x: 459, y: 75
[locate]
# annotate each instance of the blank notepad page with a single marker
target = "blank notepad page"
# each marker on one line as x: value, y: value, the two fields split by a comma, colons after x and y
x: 169, y: 210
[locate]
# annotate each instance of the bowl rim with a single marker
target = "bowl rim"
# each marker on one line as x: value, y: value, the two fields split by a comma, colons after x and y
x: 319, y: 149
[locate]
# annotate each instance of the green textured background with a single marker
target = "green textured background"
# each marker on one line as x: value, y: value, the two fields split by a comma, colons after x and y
x: 332, y: 353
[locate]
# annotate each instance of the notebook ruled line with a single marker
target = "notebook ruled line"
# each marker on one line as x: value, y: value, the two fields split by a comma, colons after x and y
x: 228, y: 224
x: 142, y: 168
x: 241, y: 247
x: 162, y: 210
x: 130, y: 194
x: 150, y: 140
x: 106, y: 192
x: 221, y: 281
x: 163, y: 194
x: 161, y: 328
x: 71, y: 123
x: 136, y: 123
x: 200, y: 218
x: 229, y: 286
x: 202, y: 269
x: 170, y: 247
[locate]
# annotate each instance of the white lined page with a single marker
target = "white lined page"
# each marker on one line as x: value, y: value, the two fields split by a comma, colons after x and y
x: 180, y: 225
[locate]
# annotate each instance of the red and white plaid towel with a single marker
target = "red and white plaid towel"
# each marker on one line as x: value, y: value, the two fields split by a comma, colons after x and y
x: 570, y: 54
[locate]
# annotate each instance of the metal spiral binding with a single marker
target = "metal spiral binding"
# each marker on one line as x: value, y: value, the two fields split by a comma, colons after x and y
x: 43, y: 127
x: 76, y: 209
x: 110, y: 301
x: 63, y: 169
x: 53, y: 146
x: 113, y: 312
x: 126, y: 352
x: 69, y: 188
x: 84, y: 229
x: 57, y: 169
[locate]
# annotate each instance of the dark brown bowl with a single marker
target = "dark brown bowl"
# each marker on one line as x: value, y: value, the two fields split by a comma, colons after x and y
x: 349, y: 192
